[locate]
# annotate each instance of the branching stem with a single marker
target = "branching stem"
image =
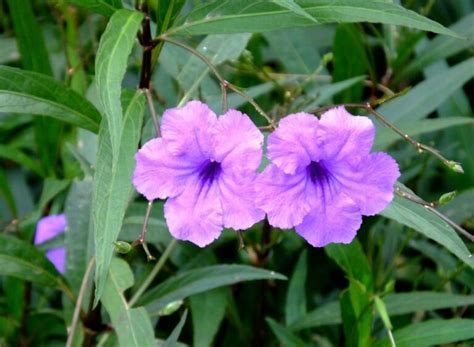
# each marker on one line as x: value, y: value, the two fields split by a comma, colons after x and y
x: 224, y: 84
x: 430, y: 207
x: 80, y: 298
x: 419, y: 146
x: 141, y: 240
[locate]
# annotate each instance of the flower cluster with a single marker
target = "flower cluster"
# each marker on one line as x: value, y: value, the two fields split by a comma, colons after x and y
x: 321, y: 180
x: 48, y: 228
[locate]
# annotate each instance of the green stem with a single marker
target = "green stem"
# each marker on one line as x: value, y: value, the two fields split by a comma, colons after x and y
x: 80, y: 298
x: 154, y: 272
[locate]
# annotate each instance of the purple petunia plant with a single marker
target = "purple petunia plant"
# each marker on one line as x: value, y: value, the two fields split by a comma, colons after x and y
x: 206, y: 167
x: 321, y: 180
x: 323, y: 177
x: 48, y: 228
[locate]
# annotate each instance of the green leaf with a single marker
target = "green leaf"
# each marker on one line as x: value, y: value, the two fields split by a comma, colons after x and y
x: 104, y: 7
x: 23, y: 260
x: 349, y: 38
x: 397, y: 304
x: 442, y: 47
x: 433, y: 332
x: 172, y: 340
x: 285, y: 336
x: 402, y: 303
x: 218, y: 49
x: 132, y: 325
x: 382, y: 310
x: 295, y: 307
x: 356, y: 313
x: 34, y: 57
x: 8, y: 50
x: 51, y: 188
x: 230, y: 16
x: 352, y: 260
x: 17, y: 156
x: 208, y: 311
x: 30, y: 41
x: 30, y: 92
x: 295, y: 8
x: 79, y: 237
x: 200, y: 280
x: 115, y: 46
x: 327, y: 314
x: 460, y: 209
x: 417, y: 217
x: 7, y: 194
x: 385, y: 137
x: 323, y: 93
x: 166, y: 13
x: 290, y: 47
x: 426, y: 96
x: 112, y: 185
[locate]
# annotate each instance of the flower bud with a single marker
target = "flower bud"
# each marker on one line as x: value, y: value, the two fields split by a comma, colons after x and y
x: 122, y: 247
x: 447, y: 197
x: 171, y: 308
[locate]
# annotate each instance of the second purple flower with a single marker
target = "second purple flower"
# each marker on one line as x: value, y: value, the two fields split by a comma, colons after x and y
x: 323, y: 177
x: 206, y: 166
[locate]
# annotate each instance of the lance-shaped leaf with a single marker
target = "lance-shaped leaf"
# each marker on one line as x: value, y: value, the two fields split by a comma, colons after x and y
x: 200, y: 280
x: 112, y: 185
x: 30, y: 92
x: 115, y: 46
x: 104, y: 7
x: 23, y: 260
x: 250, y: 16
x: 132, y: 325
x: 425, y: 222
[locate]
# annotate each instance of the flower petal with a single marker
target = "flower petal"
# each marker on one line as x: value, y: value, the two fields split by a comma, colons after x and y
x: 342, y: 134
x: 237, y: 142
x: 293, y: 144
x: 196, y: 214
x: 158, y: 173
x: 335, y: 221
x: 237, y: 193
x: 58, y: 257
x: 185, y: 130
x: 49, y: 227
x: 369, y: 182
x: 285, y: 198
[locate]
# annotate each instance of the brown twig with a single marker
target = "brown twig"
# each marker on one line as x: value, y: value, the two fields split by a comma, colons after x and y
x: 419, y: 146
x: 224, y: 84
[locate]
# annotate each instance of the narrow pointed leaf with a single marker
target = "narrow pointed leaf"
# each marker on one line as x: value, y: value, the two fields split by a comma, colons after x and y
x: 428, y: 95
x: 172, y: 340
x: 432, y: 332
x: 23, y: 260
x: 285, y: 336
x: 132, y: 325
x: 417, y: 217
x: 115, y: 46
x: 200, y: 280
x: 230, y: 16
x: 112, y: 185
x: 30, y: 92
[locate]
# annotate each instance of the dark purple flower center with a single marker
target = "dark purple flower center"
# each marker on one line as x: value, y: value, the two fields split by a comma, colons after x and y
x: 210, y: 171
x: 318, y: 172
x: 321, y: 177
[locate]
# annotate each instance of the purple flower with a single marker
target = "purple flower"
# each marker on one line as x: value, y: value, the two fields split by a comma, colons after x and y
x: 323, y: 177
x: 206, y: 166
x: 47, y: 228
